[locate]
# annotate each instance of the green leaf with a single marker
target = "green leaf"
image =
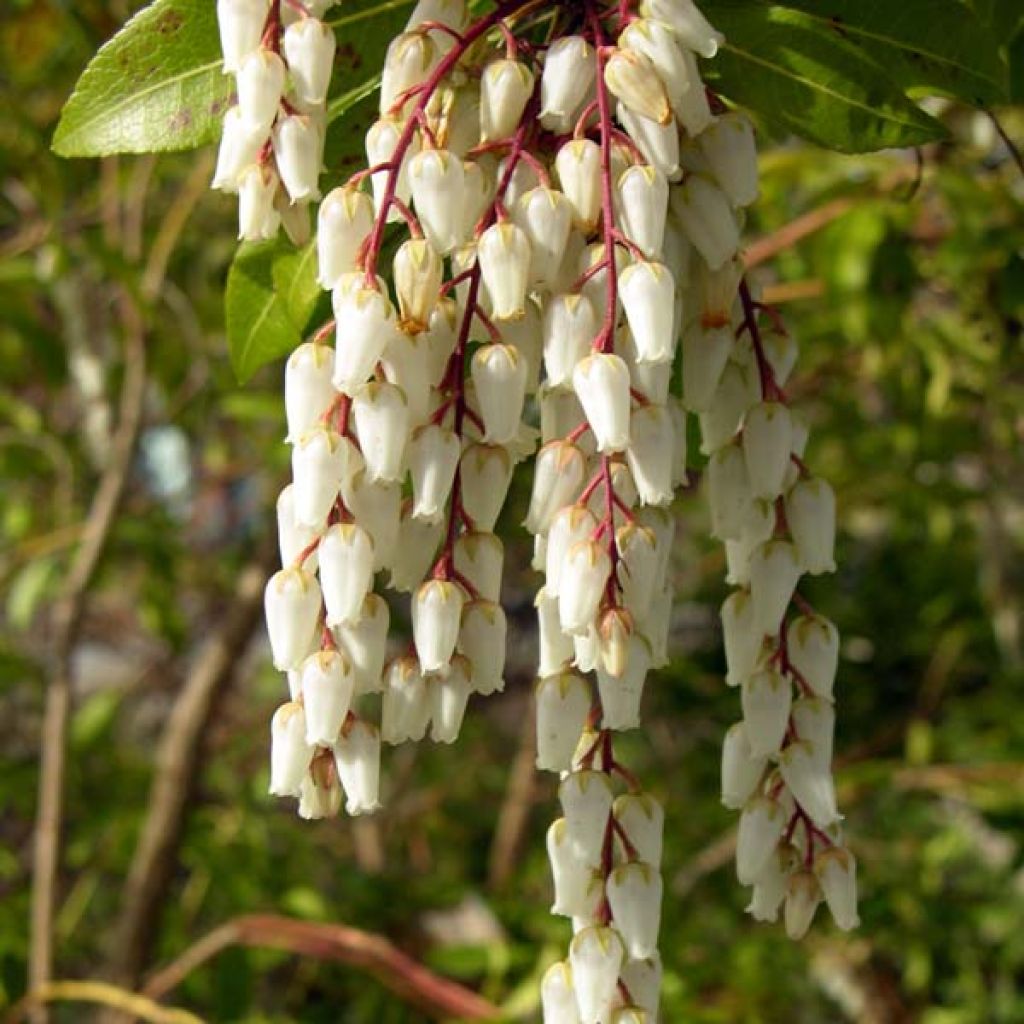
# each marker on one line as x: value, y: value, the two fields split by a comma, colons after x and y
x: 800, y: 74
x: 156, y: 86
x: 271, y: 294
x: 931, y: 46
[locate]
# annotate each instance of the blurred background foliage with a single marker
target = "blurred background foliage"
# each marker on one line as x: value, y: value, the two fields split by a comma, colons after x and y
x: 909, y: 309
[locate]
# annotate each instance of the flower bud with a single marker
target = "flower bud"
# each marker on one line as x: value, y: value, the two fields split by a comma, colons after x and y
x: 327, y: 686
x: 417, y: 274
x: 364, y: 640
x: 571, y: 524
x: 742, y: 636
x: 504, y: 256
x: 257, y: 218
x: 577, y: 886
x: 319, y: 794
x: 707, y: 218
x: 344, y: 220
x: 436, y: 178
x: 436, y: 610
x: 836, y: 871
x: 499, y: 376
x: 569, y: 327
x: 557, y: 996
x: 761, y: 825
x: 688, y: 23
x: 241, y: 29
x: 545, y: 216
x: 406, y: 706
x: 293, y: 537
x: 377, y: 508
x: 621, y: 693
x: 346, y: 571
x: 653, y: 441
x: 505, y: 88
x: 729, y: 148
x: 567, y: 78
x: 482, y: 637
x: 812, y: 644
x: 308, y: 391
x: 728, y: 492
x: 578, y: 165
x: 658, y: 143
x: 555, y: 647
x: 485, y: 472
x: 449, y: 694
x: 321, y: 459
x: 239, y: 147
x: 767, y: 443
x: 705, y: 354
x: 290, y: 754
x: 774, y: 572
x: 381, y: 416
x: 357, y: 757
x: 381, y: 143
x: 741, y: 770
x: 814, y: 721
x: 811, y: 517
x: 260, y: 84
x: 585, y: 574
x: 309, y: 49
x: 480, y: 557
x: 810, y: 782
x: 646, y: 290
x: 596, y: 956
x: 292, y: 606
x: 433, y: 458
x: 586, y: 798
x: 643, y: 205
x: 766, y: 698
x: 366, y: 324
x: 656, y: 41
x: 634, y: 895
x: 803, y: 894
x: 633, y: 79
x: 601, y: 383
x: 557, y: 479
x: 297, y: 149
x: 410, y: 59
x: 563, y: 704
x: 642, y: 818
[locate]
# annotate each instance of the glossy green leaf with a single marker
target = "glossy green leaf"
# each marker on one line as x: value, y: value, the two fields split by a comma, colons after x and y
x: 271, y: 294
x: 797, y: 72
x: 156, y: 86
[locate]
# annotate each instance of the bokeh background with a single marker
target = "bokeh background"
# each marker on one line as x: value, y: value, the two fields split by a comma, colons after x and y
x: 908, y: 303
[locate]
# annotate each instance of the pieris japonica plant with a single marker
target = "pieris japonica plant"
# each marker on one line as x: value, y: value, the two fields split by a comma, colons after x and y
x: 566, y: 199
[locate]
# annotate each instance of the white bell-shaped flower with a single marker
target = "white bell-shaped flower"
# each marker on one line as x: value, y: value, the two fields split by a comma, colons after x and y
x: 769, y: 888
x: 567, y: 78
x: 596, y: 955
x: 381, y: 416
x: 410, y: 58
x: 705, y: 354
x: 364, y: 640
x: 652, y: 446
x: 732, y: 398
x: 344, y: 220
x: 357, y: 757
x: 811, y: 517
x: 621, y: 693
x: 555, y: 648
x: 485, y: 472
x: 366, y: 324
x: 601, y: 382
x: 406, y: 704
x: 729, y: 148
x: 812, y: 644
x: 643, y: 979
x: 524, y: 335
x: 407, y: 363
x: 694, y: 110
x: 742, y: 636
x: 545, y: 216
x: 321, y: 461
x: 346, y: 571
x: 578, y: 165
x: 563, y: 704
x: 810, y: 781
x: 257, y: 218
x: 260, y: 84
x: 298, y: 149
x: 803, y: 894
x: 417, y: 274
x: 309, y: 47
x: 381, y: 142
x: 729, y: 494
x: 308, y: 391
x: 241, y: 25
x: 449, y: 695
x: 557, y: 995
x: 436, y: 610
x: 577, y: 886
x: 585, y: 575
x: 499, y: 376
x: 639, y: 559
x: 482, y: 636
x: 761, y: 826
x: 479, y: 558
x: 657, y: 42
x: 377, y: 508
x: 836, y: 871
x: 292, y: 536
x: 634, y: 894
x: 290, y: 754
x: 758, y: 526
x: 642, y: 818
x: 415, y: 550
x: 651, y: 381
x: 634, y: 80
x: 774, y: 572
x: 292, y: 606
x: 586, y: 648
x: 643, y: 206
x: 586, y: 798
x: 767, y: 697
x: 505, y: 88
x: 240, y: 144
x: 319, y: 794
x: 433, y: 458
x: 504, y: 255
x: 741, y: 770
x: 695, y: 32
x: 453, y: 13
x: 557, y: 479
x: 571, y: 524
x: 646, y: 290
x: 659, y: 143
x: 782, y: 351
x: 767, y: 443
x: 814, y: 721
x: 327, y: 688
x: 569, y: 328
x: 436, y: 178
x: 707, y: 217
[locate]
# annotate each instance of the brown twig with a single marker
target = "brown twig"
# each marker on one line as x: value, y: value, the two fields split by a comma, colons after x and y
x: 1011, y: 147
x: 104, y: 995
x: 66, y: 623
x: 796, y: 230
x: 436, y: 996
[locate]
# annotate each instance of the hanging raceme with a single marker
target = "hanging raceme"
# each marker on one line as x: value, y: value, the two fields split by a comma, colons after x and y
x: 570, y: 199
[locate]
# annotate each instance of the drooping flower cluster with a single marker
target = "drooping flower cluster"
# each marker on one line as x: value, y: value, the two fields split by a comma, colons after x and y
x: 272, y: 147
x: 569, y: 209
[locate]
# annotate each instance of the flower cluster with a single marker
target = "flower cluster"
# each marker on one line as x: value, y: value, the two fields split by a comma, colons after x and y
x: 568, y: 201
x: 272, y: 147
